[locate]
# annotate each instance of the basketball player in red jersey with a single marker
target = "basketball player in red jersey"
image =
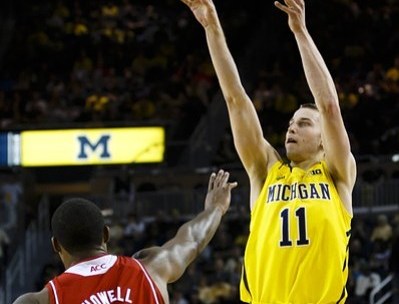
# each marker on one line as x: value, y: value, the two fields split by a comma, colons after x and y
x: 93, y: 276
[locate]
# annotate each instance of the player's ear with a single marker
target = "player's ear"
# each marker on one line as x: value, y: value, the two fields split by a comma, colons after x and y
x: 56, y: 245
x: 106, y: 234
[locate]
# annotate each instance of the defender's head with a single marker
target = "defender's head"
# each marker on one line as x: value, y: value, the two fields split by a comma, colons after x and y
x: 78, y: 227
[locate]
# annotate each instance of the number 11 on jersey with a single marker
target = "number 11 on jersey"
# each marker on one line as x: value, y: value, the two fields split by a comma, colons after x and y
x: 301, y: 224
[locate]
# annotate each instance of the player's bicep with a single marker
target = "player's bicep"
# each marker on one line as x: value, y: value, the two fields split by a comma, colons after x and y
x: 336, y: 144
x: 251, y: 146
x: 177, y: 258
x: 337, y: 147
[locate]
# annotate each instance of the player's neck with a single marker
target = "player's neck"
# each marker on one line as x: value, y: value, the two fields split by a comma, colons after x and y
x: 77, y: 258
x: 306, y: 164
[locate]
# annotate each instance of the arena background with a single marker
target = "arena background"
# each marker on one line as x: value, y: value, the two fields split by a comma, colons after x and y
x: 93, y: 66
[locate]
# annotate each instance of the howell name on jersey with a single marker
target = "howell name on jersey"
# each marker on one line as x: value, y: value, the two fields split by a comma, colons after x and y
x: 120, y: 295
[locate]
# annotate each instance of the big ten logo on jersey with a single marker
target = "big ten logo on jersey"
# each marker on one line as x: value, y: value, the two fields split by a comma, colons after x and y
x: 98, y: 267
x: 100, y: 148
x: 316, y: 172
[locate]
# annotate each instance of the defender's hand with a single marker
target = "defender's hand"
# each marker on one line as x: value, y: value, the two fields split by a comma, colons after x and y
x: 219, y: 191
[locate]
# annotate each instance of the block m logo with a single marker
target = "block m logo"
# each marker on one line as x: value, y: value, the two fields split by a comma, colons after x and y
x: 86, y: 147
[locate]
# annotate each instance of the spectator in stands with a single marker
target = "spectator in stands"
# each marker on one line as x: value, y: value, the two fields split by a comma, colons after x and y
x: 133, y: 234
x: 134, y: 227
x: 365, y: 281
x: 4, y: 243
x: 394, y: 264
x: 358, y: 251
x: 392, y: 78
x: 382, y: 232
x: 189, y: 282
x: 178, y: 298
x: 380, y: 239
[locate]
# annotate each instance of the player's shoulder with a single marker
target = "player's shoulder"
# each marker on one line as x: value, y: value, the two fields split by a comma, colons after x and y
x: 278, y: 166
x: 41, y: 297
x: 148, y: 253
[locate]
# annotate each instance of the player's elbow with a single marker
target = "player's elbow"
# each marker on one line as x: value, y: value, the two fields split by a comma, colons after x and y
x: 182, y: 259
x: 235, y: 96
x: 191, y: 251
x: 232, y: 100
x: 330, y: 108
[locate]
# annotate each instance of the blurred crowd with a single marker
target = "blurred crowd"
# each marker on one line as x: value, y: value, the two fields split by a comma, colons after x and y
x: 359, y: 42
x: 141, y: 61
x: 107, y: 61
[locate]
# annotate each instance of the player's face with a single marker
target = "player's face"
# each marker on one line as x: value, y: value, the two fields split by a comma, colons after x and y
x: 303, y: 138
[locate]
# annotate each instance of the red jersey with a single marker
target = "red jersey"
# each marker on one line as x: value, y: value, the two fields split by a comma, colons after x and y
x: 106, y: 279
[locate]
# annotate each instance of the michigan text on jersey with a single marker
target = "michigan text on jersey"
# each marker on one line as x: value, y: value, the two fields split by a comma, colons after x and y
x: 288, y: 192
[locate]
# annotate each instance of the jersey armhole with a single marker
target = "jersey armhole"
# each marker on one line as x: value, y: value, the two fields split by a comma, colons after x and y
x: 52, y: 292
x: 341, y: 203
